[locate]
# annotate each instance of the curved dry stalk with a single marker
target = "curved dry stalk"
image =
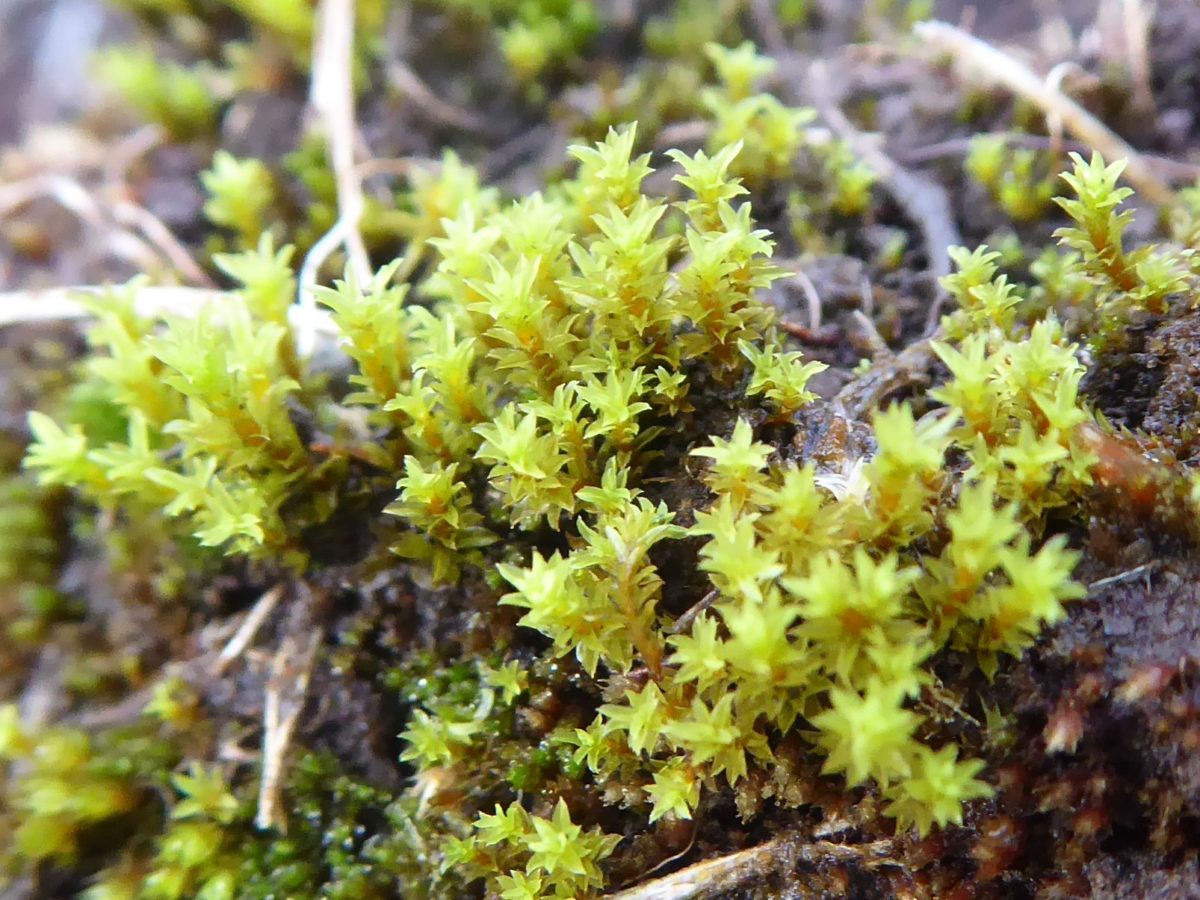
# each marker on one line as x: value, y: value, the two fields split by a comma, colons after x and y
x: 63, y: 304
x: 717, y: 877
x: 1135, y: 21
x: 254, y: 619
x: 286, y: 693
x: 331, y: 96
x: 710, y: 877
x: 155, y: 231
x: 129, y: 150
x: 1054, y: 82
x: 811, y: 297
x: 110, y: 216
x: 306, y: 281
x: 1174, y: 169
x: 400, y: 167
x: 1017, y: 77
x: 923, y: 200
x: 434, y: 107
x: 891, y: 373
x: 692, y: 131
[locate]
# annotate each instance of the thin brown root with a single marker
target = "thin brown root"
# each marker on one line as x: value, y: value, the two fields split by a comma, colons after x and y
x: 109, y: 213
x: 684, y: 622
x: 287, y: 690
x: 674, y: 857
x: 431, y: 105
x: 1017, y: 77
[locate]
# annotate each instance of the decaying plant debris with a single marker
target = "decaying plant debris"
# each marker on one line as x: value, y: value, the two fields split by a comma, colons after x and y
x: 584, y: 539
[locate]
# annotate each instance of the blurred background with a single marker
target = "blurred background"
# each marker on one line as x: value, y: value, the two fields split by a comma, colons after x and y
x: 46, y: 46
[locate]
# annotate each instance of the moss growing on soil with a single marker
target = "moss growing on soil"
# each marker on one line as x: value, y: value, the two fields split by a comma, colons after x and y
x: 652, y: 499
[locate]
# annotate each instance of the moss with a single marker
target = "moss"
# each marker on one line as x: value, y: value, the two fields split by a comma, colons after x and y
x: 63, y: 788
x: 29, y: 536
x: 530, y: 400
x: 1018, y: 178
x: 611, y: 566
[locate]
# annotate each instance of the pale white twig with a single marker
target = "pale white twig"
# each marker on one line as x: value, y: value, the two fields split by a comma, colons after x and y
x: 1136, y: 20
x: 332, y: 99
x: 249, y: 627
x: 876, y: 345
x: 811, y: 295
x: 63, y: 304
x: 1122, y: 577
x: 868, y: 297
x: 725, y: 874
x: 306, y: 338
x: 1017, y: 77
x: 1174, y: 169
x: 286, y: 692
x: 1054, y: 121
x: 709, y: 877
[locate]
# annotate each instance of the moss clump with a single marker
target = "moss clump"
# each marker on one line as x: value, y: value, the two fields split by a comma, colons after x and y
x: 519, y: 404
x: 1019, y: 179
x: 63, y: 787
x: 30, y: 552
